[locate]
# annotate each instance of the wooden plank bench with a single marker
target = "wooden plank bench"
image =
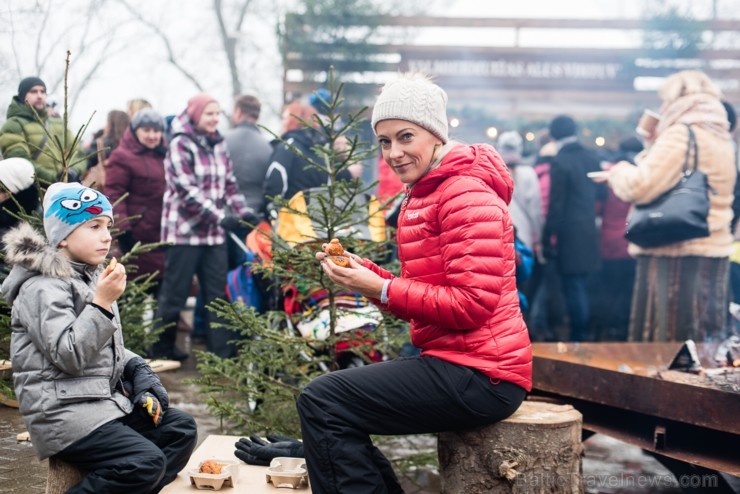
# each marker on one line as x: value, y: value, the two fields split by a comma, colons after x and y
x: 252, y: 479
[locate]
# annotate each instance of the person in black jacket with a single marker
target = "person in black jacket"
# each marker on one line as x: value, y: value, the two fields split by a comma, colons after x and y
x: 289, y: 172
x: 571, y: 237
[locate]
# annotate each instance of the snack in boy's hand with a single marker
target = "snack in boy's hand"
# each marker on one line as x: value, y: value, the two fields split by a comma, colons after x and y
x: 210, y: 466
x: 111, y: 265
x: 335, y: 253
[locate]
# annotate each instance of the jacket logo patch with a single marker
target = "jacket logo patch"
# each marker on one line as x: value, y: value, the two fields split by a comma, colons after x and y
x: 413, y: 215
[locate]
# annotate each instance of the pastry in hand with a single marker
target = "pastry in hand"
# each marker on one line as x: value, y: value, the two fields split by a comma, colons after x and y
x: 335, y: 253
x: 334, y: 248
x: 111, y: 266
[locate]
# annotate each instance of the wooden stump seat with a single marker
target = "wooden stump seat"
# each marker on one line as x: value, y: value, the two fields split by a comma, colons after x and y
x: 537, y: 449
x: 61, y: 476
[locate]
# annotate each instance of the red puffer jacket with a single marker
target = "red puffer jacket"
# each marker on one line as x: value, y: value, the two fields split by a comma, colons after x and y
x: 457, y: 283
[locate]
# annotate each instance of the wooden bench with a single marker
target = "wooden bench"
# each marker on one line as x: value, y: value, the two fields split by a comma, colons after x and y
x: 252, y: 479
x: 537, y: 449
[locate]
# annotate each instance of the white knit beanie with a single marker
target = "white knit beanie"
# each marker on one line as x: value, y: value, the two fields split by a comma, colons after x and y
x: 16, y: 174
x: 414, y: 98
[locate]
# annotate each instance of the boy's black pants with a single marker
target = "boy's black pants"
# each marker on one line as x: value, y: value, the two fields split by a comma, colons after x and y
x: 412, y: 395
x: 130, y: 455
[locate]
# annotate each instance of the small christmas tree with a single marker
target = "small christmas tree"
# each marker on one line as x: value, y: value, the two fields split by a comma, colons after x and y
x: 256, y: 391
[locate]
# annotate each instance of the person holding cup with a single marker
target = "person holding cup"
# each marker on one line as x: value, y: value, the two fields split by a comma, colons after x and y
x: 647, y: 125
x: 681, y: 288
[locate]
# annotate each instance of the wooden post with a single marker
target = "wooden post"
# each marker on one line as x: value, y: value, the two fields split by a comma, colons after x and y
x: 61, y: 476
x: 537, y: 449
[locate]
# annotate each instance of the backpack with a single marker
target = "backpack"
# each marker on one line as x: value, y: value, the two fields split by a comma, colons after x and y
x: 241, y: 286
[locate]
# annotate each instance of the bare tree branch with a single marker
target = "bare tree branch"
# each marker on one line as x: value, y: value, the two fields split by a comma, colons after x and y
x: 165, y: 40
x: 12, y: 44
x: 229, y: 47
x: 242, y: 15
x: 41, y: 32
x: 99, y: 61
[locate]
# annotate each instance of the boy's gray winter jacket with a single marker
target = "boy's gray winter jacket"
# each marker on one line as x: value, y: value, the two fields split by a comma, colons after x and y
x: 68, y: 357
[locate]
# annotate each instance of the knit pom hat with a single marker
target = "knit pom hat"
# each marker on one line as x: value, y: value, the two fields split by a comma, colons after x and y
x: 25, y: 86
x: 416, y: 99
x: 16, y: 174
x: 197, y: 104
x: 147, y: 118
x: 510, y: 146
x: 69, y: 205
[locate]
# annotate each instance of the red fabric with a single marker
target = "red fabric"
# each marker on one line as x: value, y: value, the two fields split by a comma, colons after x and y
x: 458, y: 271
x: 613, y: 221
x: 388, y: 182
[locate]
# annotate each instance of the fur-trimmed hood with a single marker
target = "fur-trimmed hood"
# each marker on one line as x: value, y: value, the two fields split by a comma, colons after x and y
x: 30, y: 255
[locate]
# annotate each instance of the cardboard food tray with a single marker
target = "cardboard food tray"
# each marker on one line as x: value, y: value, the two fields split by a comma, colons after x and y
x: 215, y: 481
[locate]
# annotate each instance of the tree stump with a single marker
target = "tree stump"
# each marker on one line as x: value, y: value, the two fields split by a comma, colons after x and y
x: 537, y: 449
x: 61, y: 476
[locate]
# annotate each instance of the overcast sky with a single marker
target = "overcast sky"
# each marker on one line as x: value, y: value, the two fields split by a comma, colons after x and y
x: 138, y: 68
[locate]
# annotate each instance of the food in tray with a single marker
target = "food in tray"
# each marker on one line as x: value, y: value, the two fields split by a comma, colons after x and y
x: 210, y: 466
x: 335, y: 253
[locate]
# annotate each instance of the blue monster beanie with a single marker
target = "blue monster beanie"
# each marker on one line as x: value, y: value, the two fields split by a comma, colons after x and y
x: 68, y: 205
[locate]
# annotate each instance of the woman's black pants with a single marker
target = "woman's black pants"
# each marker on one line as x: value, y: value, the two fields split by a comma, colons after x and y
x: 412, y: 395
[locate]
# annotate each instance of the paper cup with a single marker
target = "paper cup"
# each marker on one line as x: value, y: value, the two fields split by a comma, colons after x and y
x: 647, y: 124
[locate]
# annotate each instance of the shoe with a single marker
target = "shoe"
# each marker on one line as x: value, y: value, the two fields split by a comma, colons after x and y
x: 170, y: 354
x: 177, y: 354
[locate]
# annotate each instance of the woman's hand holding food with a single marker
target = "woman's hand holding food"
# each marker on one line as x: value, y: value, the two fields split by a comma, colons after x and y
x: 345, y: 269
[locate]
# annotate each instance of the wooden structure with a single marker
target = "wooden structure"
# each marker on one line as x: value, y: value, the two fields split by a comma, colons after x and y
x: 531, y: 81
x: 537, y: 449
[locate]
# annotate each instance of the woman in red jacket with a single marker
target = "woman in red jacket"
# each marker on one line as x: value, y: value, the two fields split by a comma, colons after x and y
x: 457, y: 288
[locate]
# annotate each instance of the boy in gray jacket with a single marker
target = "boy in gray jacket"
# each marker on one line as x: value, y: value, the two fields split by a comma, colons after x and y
x: 84, y: 397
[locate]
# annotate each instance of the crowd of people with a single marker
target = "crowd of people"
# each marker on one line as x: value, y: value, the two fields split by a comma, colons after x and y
x: 468, y: 213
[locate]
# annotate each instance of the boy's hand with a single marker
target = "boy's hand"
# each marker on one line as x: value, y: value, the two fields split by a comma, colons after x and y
x: 111, y: 285
x: 152, y: 407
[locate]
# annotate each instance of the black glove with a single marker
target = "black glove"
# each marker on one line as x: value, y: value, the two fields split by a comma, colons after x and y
x: 143, y: 380
x: 257, y: 451
x: 248, y: 221
x: 152, y: 406
x: 126, y: 241
x: 252, y: 219
x: 229, y: 223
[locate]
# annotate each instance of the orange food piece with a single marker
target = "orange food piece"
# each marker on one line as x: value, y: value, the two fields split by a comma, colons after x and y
x: 210, y: 466
x: 334, y: 248
x: 342, y: 261
x: 111, y: 265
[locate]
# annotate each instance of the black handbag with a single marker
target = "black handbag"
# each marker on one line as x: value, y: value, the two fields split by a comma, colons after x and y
x: 678, y: 215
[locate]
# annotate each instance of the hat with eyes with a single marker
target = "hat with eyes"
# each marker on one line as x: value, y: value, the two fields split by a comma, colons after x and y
x: 69, y: 205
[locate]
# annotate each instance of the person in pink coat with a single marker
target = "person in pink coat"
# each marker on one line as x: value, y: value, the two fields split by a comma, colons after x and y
x: 457, y: 287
